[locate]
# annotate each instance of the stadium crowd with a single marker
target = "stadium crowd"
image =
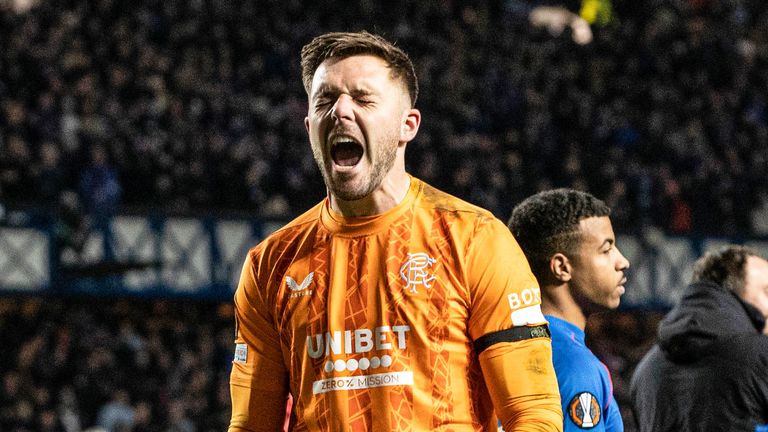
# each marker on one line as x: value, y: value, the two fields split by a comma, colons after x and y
x: 126, y: 365
x: 187, y: 106
x: 197, y: 106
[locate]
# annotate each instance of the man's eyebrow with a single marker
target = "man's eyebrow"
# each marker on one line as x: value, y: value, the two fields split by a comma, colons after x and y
x: 324, y: 92
x: 360, y: 92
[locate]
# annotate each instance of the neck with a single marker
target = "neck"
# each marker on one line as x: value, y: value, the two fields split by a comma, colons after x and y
x: 391, y: 192
x: 558, y: 302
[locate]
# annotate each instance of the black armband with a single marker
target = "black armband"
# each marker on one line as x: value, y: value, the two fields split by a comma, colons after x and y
x: 513, y: 334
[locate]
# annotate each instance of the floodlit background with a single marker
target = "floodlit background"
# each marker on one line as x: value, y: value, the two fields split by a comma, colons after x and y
x: 146, y: 145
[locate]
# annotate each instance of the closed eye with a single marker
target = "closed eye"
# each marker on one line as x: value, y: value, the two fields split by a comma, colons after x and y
x: 363, y: 101
x: 362, y: 97
x: 323, y: 105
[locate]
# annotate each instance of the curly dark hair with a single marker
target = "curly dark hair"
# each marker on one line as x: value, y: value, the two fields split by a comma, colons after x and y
x: 548, y: 222
x: 342, y: 44
x: 723, y: 267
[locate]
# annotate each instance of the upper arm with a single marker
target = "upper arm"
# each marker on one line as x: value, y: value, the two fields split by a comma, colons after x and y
x: 503, y: 291
x: 510, y: 332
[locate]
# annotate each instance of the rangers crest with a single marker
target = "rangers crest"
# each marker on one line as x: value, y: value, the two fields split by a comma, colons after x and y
x: 416, y: 271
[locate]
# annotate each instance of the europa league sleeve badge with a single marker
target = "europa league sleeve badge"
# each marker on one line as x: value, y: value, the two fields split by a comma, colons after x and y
x: 584, y: 410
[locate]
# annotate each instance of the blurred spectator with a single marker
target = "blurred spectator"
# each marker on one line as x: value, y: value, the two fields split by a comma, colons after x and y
x: 70, y: 229
x: 117, y: 415
x: 99, y: 185
x: 100, y: 192
x: 143, y: 418
x: 68, y: 410
x: 49, y: 174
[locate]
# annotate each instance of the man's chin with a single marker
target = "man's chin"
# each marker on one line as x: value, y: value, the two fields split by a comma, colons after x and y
x: 349, y: 193
x: 348, y: 197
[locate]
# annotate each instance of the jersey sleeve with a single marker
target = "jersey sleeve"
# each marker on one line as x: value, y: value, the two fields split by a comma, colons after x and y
x: 510, y: 332
x: 503, y: 291
x: 586, y: 390
x: 259, y: 380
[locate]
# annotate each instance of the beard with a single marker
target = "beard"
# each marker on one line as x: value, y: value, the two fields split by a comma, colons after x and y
x: 353, y: 187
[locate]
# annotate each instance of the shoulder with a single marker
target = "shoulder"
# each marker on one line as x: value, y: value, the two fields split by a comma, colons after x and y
x: 464, y: 223
x: 749, y: 350
x: 445, y: 203
x: 464, y: 219
x: 567, y: 340
x: 309, y: 217
x: 290, y: 235
x: 266, y: 263
x: 648, y: 366
x: 577, y: 362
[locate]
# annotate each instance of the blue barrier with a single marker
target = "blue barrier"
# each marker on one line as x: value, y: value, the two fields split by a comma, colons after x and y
x: 135, y: 255
x: 201, y: 257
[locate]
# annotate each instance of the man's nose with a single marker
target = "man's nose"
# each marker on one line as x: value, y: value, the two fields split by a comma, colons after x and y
x: 343, y: 109
x: 623, y: 262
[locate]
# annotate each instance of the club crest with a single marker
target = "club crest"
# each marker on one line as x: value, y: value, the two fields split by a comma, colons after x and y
x: 416, y: 271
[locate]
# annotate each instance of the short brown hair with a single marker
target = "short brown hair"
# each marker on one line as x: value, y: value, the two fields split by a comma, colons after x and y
x: 341, y: 45
x: 724, y: 267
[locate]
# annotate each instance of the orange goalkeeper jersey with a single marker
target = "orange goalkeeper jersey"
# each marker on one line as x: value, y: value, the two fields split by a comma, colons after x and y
x: 423, y: 318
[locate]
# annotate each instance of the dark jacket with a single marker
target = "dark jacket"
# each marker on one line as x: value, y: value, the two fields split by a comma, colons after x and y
x: 709, y: 368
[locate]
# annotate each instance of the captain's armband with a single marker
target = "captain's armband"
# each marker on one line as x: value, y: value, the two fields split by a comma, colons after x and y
x: 513, y: 334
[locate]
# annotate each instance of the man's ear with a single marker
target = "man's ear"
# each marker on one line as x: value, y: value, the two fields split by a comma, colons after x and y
x: 560, y: 266
x: 410, y: 125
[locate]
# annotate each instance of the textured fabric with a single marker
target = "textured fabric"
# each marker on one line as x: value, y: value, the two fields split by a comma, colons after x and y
x: 585, y: 383
x: 369, y: 323
x: 708, y: 370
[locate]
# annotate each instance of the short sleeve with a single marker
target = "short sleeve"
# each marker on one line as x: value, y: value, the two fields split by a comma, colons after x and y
x: 503, y: 291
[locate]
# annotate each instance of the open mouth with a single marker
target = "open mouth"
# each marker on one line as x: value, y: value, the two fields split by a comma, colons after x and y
x: 346, y: 152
